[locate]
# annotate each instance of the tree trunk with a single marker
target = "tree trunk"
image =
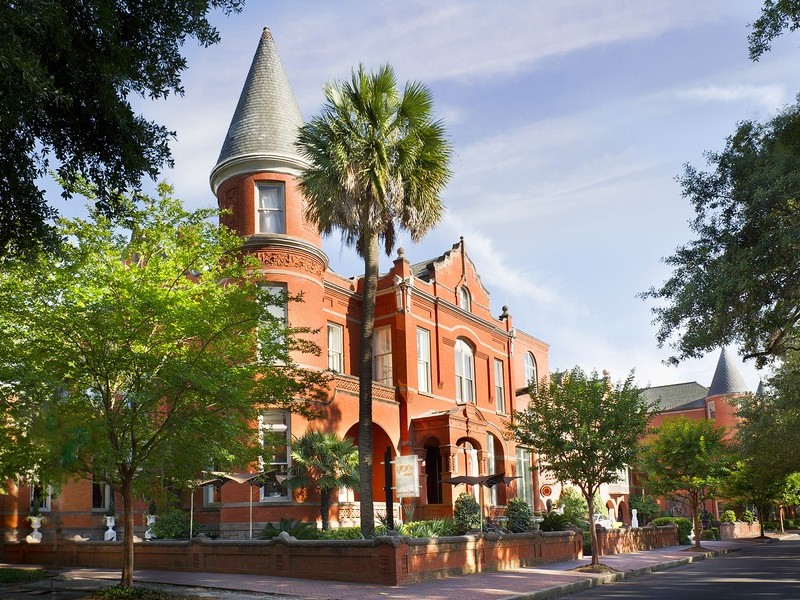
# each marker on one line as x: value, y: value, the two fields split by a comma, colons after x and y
x: 127, y: 545
x: 780, y: 516
x: 365, y: 449
x: 592, y: 529
x: 696, y: 521
x: 325, y: 508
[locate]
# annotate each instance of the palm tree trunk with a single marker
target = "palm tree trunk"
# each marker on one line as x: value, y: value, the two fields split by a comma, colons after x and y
x: 325, y: 508
x: 365, y: 449
x: 127, y: 552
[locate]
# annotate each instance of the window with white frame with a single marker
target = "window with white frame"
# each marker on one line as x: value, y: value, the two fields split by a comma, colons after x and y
x: 531, y: 377
x: 525, y: 482
x: 335, y: 347
x: 465, y: 372
x: 712, y: 413
x: 382, y: 356
x: 499, y: 386
x: 41, y: 497
x: 274, y: 426
x: 464, y: 298
x: 101, y: 494
x: 423, y: 360
x: 270, y: 208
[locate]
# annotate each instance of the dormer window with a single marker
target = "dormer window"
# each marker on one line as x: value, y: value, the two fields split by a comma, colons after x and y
x: 464, y: 299
x: 270, y: 208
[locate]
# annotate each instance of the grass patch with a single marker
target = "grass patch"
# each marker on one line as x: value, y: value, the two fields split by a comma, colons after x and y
x: 135, y: 593
x: 11, y: 575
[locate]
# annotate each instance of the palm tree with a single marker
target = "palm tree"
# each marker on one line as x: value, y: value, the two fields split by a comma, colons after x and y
x: 378, y: 162
x: 326, y: 462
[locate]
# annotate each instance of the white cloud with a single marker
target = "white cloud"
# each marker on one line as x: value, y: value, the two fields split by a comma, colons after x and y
x: 769, y: 96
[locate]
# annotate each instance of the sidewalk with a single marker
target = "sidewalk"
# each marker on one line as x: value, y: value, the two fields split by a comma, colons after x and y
x: 549, y: 581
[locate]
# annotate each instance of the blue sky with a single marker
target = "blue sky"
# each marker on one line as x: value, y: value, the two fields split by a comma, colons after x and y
x: 570, y: 121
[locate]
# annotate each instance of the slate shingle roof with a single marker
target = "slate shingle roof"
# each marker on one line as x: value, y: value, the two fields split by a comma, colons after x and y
x: 727, y: 379
x: 677, y: 396
x: 267, y: 117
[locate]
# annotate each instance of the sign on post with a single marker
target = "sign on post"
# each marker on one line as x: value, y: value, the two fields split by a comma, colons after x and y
x: 406, y: 476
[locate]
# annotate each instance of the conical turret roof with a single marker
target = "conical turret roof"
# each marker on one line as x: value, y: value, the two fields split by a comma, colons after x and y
x: 727, y: 379
x: 266, y: 120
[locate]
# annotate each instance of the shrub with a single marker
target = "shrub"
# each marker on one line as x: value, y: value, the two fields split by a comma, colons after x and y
x: 467, y: 513
x: 302, y: 530
x: 717, y: 536
x: 728, y: 516
x: 587, y: 543
x: 554, y: 521
x: 174, y: 525
x: 771, y: 526
x: 646, y: 507
x: 573, y: 504
x: 340, y: 533
x: 748, y: 516
x: 684, y: 526
x: 429, y: 529
x: 707, y: 534
x: 518, y: 515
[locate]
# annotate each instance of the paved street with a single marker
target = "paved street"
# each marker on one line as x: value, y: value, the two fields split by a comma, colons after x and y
x: 758, y: 571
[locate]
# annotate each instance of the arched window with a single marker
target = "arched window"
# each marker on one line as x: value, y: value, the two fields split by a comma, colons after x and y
x: 531, y: 376
x: 465, y: 372
x: 464, y: 299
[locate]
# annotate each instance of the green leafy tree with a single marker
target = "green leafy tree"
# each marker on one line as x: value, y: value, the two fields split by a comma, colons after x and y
x: 378, y: 162
x: 584, y: 429
x: 685, y: 460
x: 323, y: 462
x: 790, y: 495
x: 68, y: 70
x: 753, y: 483
x: 132, y: 355
x: 646, y: 506
x: 776, y: 17
x: 573, y: 504
x: 738, y: 281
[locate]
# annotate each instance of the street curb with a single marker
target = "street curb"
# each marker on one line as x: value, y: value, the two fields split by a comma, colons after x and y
x: 557, y: 591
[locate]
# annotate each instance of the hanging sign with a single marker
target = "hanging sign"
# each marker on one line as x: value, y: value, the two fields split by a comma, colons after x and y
x: 545, y: 490
x: 406, y: 476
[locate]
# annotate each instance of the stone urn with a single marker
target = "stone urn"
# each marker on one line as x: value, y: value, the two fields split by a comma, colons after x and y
x: 36, y: 536
x: 110, y: 535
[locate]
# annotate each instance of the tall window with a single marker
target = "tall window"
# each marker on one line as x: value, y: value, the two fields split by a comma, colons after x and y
x: 270, y: 208
x: 531, y: 377
x: 464, y: 298
x: 274, y: 428
x: 335, y: 347
x: 276, y: 307
x: 41, y: 496
x: 101, y: 494
x: 525, y: 483
x: 212, y: 494
x: 465, y: 372
x: 424, y: 360
x: 712, y: 412
x: 499, y: 386
x: 382, y: 356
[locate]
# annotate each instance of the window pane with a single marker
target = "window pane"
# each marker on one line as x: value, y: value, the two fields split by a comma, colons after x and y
x: 335, y: 347
x: 424, y: 360
x: 499, y: 386
x: 270, y: 209
x: 276, y: 435
x: 382, y: 356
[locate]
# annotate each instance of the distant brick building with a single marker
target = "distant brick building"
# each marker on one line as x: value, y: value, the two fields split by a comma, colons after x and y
x: 448, y: 371
x: 717, y: 403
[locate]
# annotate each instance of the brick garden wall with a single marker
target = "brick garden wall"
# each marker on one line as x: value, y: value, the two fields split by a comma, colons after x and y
x: 384, y: 560
x: 620, y: 541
